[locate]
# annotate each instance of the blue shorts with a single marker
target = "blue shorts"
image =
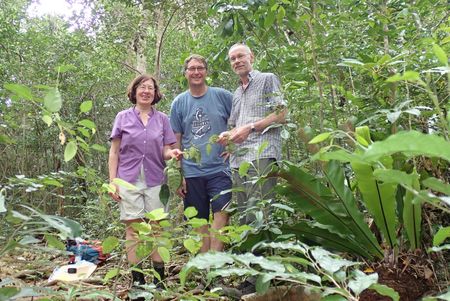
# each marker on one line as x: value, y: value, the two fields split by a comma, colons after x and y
x: 201, y: 191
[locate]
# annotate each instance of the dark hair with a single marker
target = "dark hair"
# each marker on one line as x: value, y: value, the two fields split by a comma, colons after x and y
x: 132, y: 87
x: 196, y: 57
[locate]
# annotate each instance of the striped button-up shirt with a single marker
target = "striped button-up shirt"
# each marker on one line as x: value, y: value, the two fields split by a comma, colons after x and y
x: 261, y: 97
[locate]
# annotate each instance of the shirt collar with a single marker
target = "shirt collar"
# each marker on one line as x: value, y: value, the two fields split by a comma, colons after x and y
x: 136, y: 111
x: 251, y: 76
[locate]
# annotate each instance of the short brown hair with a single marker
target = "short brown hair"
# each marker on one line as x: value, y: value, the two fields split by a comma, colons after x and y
x: 132, y: 87
x: 196, y: 57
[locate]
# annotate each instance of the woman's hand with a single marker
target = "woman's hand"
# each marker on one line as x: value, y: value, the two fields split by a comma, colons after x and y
x: 176, y: 153
x: 115, y: 195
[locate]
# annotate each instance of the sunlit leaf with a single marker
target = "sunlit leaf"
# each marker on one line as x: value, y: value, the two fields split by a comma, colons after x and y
x: 111, y: 274
x: 123, y: 183
x: 86, y: 106
x: 20, y: 90
x: 47, y: 119
x: 319, y: 138
x: 53, y: 100
x: 142, y: 227
x: 385, y: 291
x: 164, y: 253
x: 191, y: 245
x: 109, y: 244
x: 157, y: 214
x: 70, y: 151
x: 190, y: 212
x: 87, y: 123
x: 440, y: 54
x: 99, y: 148
x: 441, y: 235
x: 52, y: 241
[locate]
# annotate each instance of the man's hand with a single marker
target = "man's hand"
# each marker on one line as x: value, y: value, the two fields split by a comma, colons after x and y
x: 181, y: 191
x: 240, y: 134
x: 224, y: 137
x: 175, y: 153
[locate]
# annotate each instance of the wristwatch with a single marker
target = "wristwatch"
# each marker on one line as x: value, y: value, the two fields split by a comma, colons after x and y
x: 252, y: 127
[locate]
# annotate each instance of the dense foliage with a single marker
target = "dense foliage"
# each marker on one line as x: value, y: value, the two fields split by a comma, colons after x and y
x: 367, y: 85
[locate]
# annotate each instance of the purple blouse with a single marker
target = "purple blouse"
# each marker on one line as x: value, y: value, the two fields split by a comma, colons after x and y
x: 142, y: 145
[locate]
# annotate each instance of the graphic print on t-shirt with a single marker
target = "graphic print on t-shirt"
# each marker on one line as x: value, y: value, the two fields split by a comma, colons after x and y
x: 201, y: 124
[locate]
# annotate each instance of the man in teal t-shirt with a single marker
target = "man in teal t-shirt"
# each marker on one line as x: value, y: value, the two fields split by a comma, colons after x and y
x: 196, y: 115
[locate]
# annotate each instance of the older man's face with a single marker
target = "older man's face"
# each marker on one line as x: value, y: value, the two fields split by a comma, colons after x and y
x: 241, y: 60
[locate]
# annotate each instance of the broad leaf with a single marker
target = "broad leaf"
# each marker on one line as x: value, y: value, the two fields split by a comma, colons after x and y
x: 164, y: 253
x: 53, y: 100
x: 70, y: 151
x: 361, y: 281
x: 109, y: 244
x: 379, y: 199
x: 20, y: 90
x: 412, y: 214
x: 441, y: 236
x: 410, y: 143
x: 385, y: 291
x: 86, y: 106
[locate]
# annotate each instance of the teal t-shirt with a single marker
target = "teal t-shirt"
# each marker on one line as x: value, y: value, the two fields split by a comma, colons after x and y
x: 197, y: 119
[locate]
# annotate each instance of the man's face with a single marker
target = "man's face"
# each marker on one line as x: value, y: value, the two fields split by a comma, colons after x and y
x: 241, y: 60
x: 195, y: 72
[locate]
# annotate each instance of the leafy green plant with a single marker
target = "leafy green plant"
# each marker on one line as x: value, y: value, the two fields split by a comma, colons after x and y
x: 326, y: 274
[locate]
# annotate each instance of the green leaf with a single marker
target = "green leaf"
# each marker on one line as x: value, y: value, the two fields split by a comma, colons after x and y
x: 335, y: 176
x: 410, y: 143
x: 86, y: 106
x: 385, y: 291
x: 99, y: 148
x: 164, y: 194
x: 47, y: 119
x: 441, y: 235
x: 109, y: 244
x: 111, y: 274
x: 65, y: 68
x: 197, y: 222
x: 52, y: 182
x: 87, y: 123
x: 412, y: 214
x: 270, y: 19
x: 53, y: 100
x: 243, y: 168
x: 379, y: 199
x: 164, y: 253
x: 192, y: 246
x: 330, y: 262
x: 396, y: 176
x: 6, y: 293
x: 263, y: 283
x: 70, y: 151
x: 52, y: 241
x: 440, y: 54
x: 363, y: 132
x: 157, y: 214
x: 20, y: 90
x: 190, y: 212
x: 123, y: 183
x: 361, y: 281
x: 437, y: 185
x: 208, y: 149
x: 142, y: 227
x: 319, y: 138
x: 407, y: 75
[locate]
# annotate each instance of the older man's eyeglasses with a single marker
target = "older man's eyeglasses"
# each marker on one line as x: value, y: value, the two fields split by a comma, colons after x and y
x: 193, y: 69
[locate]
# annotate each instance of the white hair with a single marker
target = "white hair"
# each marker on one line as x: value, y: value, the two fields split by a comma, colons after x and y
x: 240, y: 45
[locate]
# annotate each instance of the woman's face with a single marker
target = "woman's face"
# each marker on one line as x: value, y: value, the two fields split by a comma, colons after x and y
x: 145, y: 93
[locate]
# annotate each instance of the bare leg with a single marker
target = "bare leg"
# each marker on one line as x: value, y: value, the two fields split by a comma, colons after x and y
x: 220, y: 221
x: 131, y: 237
x: 206, y: 243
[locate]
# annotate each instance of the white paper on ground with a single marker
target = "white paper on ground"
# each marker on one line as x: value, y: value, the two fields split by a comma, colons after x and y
x: 84, y: 270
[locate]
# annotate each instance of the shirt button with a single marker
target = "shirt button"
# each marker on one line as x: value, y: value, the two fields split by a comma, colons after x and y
x: 145, y: 129
x: 143, y: 155
x: 145, y: 141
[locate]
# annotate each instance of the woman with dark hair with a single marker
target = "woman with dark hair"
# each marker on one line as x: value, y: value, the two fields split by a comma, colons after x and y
x: 141, y: 139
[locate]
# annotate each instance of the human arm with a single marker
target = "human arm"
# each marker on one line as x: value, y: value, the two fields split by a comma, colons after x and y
x: 181, y: 191
x: 169, y: 152
x: 113, y: 164
x: 240, y: 134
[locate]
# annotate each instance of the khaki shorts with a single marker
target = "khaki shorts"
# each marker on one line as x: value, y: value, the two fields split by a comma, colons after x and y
x: 136, y: 202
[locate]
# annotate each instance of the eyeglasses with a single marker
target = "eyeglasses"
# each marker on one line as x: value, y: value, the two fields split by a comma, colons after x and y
x: 193, y: 69
x: 237, y: 57
x: 144, y: 87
